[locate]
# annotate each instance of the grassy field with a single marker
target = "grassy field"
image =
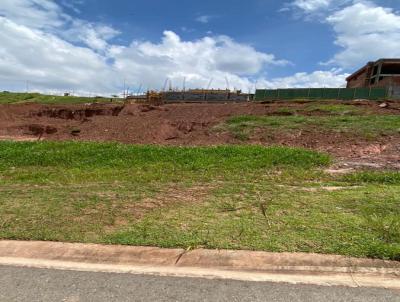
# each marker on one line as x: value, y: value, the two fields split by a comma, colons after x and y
x: 13, y: 98
x: 331, y: 109
x: 236, y: 197
x: 367, y: 126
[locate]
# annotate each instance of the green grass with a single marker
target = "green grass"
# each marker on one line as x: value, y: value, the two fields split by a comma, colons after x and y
x: 328, y: 109
x: 237, y: 197
x: 389, y: 177
x: 336, y: 109
x: 12, y: 98
x: 368, y: 126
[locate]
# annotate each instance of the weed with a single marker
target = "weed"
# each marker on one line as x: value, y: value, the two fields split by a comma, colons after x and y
x: 388, y: 227
x: 336, y: 109
x: 373, y: 177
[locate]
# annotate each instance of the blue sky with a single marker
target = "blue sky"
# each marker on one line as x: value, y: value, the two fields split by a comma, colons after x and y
x: 93, y: 46
x: 256, y: 22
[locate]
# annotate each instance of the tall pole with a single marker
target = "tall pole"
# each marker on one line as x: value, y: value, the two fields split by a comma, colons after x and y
x: 165, y: 84
x: 124, y: 88
x: 184, y: 88
x: 227, y: 83
x: 140, y: 89
x: 209, y: 84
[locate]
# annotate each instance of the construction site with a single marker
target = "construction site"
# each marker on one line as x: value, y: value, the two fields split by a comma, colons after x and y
x: 204, y: 117
x: 199, y: 150
x: 311, y: 170
x: 191, y: 96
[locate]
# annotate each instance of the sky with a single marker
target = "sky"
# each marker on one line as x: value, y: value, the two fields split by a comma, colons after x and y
x: 101, y: 46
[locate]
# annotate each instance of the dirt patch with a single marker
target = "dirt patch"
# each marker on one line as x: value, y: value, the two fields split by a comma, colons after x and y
x: 17, y: 138
x: 39, y: 130
x: 174, y: 195
x: 194, y: 125
x: 345, y: 166
x: 78, y: 114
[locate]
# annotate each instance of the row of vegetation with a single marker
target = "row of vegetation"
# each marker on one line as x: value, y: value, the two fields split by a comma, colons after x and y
x: 366, y: 126
x: 16, y: 98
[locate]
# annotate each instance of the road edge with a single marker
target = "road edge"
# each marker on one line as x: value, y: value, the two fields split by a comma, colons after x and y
x: 294, y: 268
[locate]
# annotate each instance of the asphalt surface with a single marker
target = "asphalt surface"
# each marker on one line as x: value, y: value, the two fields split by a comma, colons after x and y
x: 27, y: 284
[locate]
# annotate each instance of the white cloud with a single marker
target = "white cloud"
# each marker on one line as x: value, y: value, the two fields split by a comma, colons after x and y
x: 204, y: 19
x: 49, y: 62
x: 365, y: 32
x: 72, y: 5
x: 211, y: 57
x: 54, y: 51
x: 313, y: 8
x: 47, y: 16
x: 316, y: 79
x: 33, y: 13
x: 312, y: 5
x: 95, y: 36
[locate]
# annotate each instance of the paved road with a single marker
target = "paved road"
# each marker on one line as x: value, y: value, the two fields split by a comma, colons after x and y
x: 26, y: 284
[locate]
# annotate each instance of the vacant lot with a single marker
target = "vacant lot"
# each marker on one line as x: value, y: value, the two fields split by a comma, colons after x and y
x: 359, y: 131
x: 297, y: 176
x: 240, y: 197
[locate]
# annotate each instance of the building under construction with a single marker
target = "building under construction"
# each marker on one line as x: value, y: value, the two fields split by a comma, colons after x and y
x: 193, y: 96
x: 210, y: 95
x: 376, y: 80
x: 384, y: 73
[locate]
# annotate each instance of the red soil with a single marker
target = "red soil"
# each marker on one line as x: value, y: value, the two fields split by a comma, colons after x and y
x: 189, y: 124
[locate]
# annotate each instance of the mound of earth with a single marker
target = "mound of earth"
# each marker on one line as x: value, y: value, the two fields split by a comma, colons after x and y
x: 194, y: 124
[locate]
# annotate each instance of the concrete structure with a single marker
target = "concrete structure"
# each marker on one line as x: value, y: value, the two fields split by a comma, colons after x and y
x: 137, y: 98
x: 384, y: 73
x: 201, y: 95
x: 191, y: 96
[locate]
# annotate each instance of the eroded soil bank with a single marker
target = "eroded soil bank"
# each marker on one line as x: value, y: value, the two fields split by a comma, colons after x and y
x: 203, y: 124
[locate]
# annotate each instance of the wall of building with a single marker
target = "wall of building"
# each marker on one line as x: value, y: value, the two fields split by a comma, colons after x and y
x: 361, y: 80
x: 206, y: 96
x: 358, y: 82
x: 387, y: 82
x: 369, y: 75
x: 395, y: 91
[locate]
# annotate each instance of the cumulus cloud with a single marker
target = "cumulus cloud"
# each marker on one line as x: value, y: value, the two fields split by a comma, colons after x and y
x: 328, y: 79
x: 95, y: 36
x: 50, y: 62
x: 312, y: 5
x: 365, y: 32
x: 41, y: 14
x: 49, y: 17
x: 198, y: 61
x: 313, y: 8
x: 54, y: 51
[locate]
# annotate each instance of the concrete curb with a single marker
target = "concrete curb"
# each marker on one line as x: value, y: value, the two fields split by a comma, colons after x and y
x: 296, y: 268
